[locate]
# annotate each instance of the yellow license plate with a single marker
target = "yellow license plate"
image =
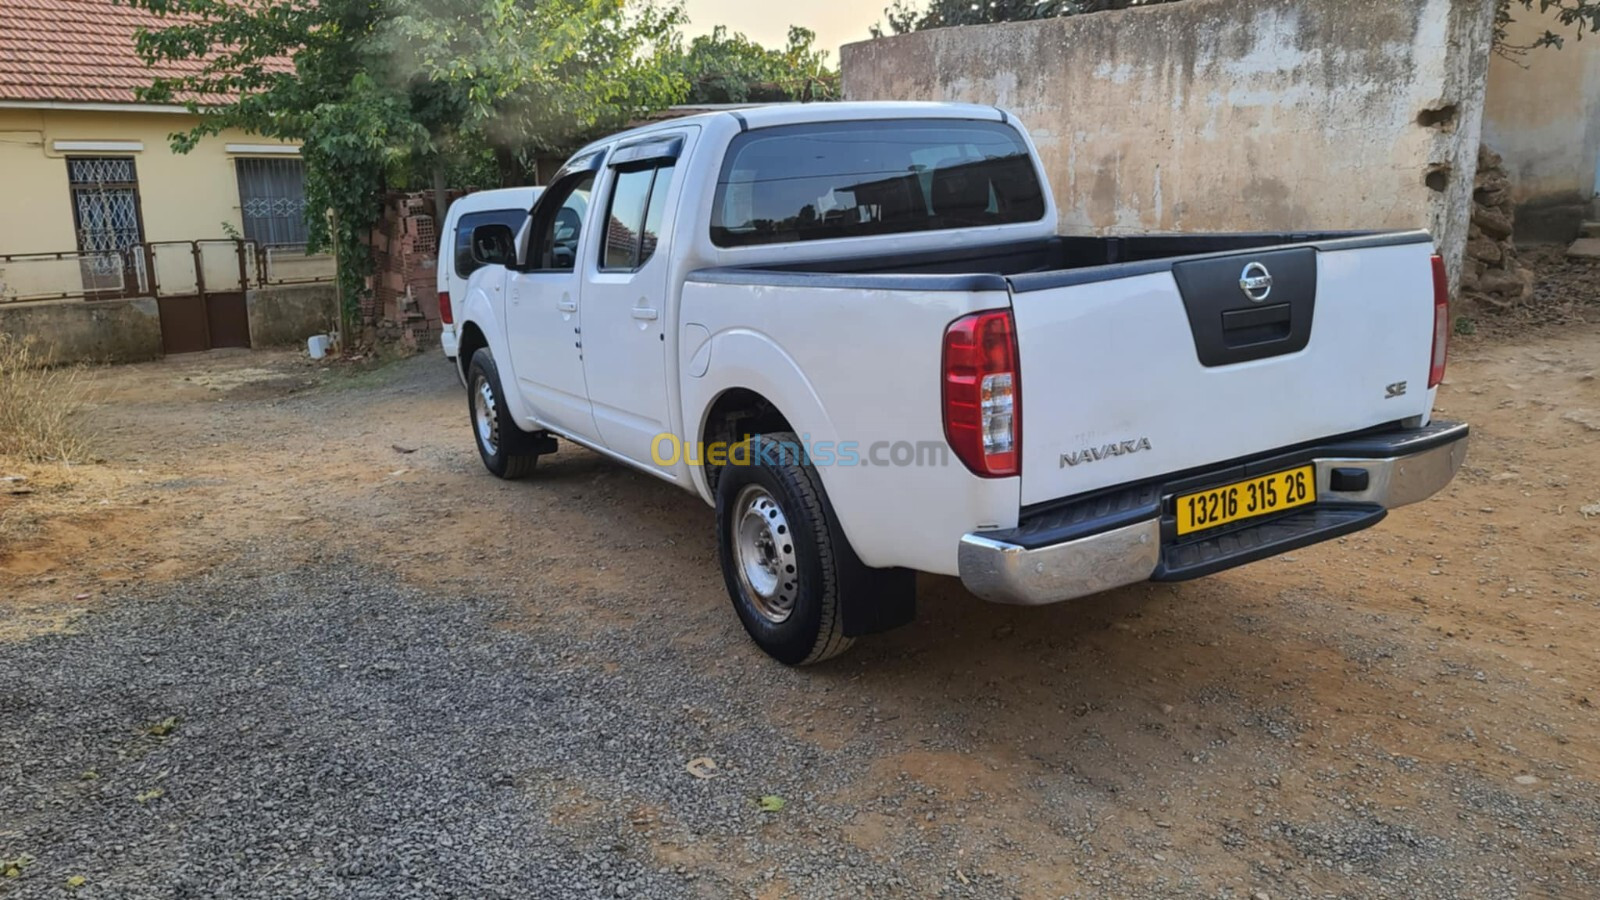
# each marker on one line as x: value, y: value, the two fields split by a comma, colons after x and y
x: 1247, y: 499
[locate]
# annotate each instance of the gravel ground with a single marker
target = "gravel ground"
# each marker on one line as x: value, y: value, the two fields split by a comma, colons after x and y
x: 324, y: 732
x: 289, y: 640
x: 321, y: 731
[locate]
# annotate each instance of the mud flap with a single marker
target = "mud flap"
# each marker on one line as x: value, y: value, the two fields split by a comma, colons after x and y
x: 872, y: 601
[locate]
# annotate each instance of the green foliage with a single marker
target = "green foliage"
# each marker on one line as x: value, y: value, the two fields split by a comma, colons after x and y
x: 906, y: 16
x: 381, y: 92
x: 1579, y: 16
x: 730, y: 68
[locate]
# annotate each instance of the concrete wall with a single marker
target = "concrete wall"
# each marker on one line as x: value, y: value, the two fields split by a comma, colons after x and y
x: 290, y: 314
x: 102, y: 331
x: 88, y: 331
x: 1543, y: 117
x: 181, y: 197
x: 1226, y: 115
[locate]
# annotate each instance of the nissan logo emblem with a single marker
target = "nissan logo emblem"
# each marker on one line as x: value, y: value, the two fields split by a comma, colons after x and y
x: 1256, y: 282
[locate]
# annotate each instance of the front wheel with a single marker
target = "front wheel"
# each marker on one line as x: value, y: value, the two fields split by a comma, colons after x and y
x: 780, y: 559
x: 507, y: 451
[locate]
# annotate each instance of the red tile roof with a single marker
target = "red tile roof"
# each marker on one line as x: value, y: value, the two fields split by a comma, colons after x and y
x: 76, y: 51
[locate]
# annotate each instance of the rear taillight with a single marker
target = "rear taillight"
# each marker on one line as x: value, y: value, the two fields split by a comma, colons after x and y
x: 1441, y: 322
x: 445, y: 314
x: 983, y: 393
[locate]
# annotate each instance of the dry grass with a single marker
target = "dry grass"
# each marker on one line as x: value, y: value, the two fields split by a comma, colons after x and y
x: 38, y: 437
x: 38, y: 404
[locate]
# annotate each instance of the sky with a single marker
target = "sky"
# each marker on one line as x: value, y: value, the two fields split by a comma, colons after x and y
x: 836, y: 22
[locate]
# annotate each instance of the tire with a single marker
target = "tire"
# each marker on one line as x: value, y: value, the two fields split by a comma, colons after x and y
x: 507, y: 451
x: 780, y: 558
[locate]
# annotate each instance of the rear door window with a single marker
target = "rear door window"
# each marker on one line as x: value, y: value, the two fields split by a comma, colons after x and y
x: 638, y: 200
x: 464, y: 263
x: 845, y: 179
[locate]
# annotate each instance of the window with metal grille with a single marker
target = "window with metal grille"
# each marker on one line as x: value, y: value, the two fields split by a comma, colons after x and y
x: 105, y: 209
x: 272, y: 201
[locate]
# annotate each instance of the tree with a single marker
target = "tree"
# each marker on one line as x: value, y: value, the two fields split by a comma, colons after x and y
x: 383, y: 93
x: 906, y: 16
x: 724, y: 68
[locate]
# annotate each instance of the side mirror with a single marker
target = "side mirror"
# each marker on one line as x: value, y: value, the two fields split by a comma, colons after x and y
x: 494, y: 244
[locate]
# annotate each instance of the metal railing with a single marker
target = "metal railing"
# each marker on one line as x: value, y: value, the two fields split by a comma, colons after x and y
x: 157, y: 269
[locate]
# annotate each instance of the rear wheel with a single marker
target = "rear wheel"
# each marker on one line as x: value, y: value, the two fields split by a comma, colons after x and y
x: 780, y: 559
x: 507, y: 451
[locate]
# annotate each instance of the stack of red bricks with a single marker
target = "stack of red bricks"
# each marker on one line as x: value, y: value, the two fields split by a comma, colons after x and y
x: 402, y: 299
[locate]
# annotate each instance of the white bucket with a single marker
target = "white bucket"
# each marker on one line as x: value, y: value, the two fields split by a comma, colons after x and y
x: 318, y: 345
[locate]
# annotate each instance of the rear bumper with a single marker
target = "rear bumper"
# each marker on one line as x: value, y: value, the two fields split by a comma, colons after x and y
x: 1129, y: 536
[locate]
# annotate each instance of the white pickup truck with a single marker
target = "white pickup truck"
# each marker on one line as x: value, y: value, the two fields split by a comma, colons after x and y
x: 853, y: 330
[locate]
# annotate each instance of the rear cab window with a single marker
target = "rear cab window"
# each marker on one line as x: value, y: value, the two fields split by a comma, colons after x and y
x: 464, y: 263
x: 846, y: 179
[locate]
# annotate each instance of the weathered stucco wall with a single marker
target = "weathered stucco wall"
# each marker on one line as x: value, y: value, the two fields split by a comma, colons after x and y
x: 182, y: 197
x: 1226, y: 115
x: 87, y: 331
x: 289, y: 314
x: 1543, y: 117
x: 104, y: 331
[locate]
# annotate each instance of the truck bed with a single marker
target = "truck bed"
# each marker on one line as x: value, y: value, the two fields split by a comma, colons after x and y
x: 1142, y: 356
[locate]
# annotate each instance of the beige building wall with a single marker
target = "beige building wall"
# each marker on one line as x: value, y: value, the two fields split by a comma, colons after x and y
x: 182, y: 197
x: 1226, y: 115
x: 1543, y: 117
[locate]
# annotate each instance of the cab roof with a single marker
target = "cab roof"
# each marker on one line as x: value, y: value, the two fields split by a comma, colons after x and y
x: 776, y: 114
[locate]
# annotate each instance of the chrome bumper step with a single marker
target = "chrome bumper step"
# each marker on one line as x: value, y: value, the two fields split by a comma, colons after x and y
x: 1127, y: 536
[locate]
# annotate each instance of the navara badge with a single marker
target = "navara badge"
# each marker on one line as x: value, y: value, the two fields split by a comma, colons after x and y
x: 1104, y: 451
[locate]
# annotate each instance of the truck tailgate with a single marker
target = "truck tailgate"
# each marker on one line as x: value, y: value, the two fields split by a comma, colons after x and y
x: 1147, y: 369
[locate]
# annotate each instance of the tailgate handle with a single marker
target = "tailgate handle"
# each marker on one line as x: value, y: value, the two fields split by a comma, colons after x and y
x: 1243, y: 327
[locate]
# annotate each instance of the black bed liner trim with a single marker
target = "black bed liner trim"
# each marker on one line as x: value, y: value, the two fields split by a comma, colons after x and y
x: 1071, y: 518
x: 1044, y: 281
x: 866, y: 272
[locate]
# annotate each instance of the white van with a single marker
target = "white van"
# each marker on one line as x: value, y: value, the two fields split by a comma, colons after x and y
x: 506, y: 206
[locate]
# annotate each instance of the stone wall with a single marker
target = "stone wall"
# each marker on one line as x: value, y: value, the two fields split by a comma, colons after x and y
x: 1492, y: 275
x: 1543, y: 116
x: 1226, y: 115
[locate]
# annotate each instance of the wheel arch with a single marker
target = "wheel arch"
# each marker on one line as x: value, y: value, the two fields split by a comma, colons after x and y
x: 471, y: 340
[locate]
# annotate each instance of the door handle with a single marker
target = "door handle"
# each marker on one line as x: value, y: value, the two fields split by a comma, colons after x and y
x: 567, y: 306
x: 645, y: 313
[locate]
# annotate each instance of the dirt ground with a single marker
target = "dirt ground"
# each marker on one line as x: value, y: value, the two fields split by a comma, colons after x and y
x: 1376, y: 715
